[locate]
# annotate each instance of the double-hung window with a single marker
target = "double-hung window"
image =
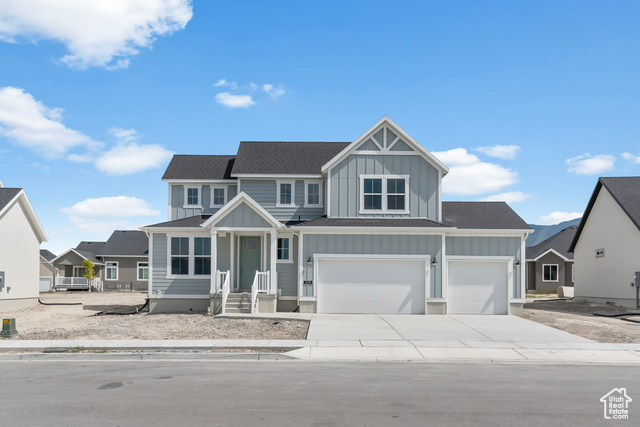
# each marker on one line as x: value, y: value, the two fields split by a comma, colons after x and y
x: 284, y: 249
x: 550, y: 272
x: 285, y: 193
x: 190, y: 256
x: 179, y: 256
x: 111, y: 270
x: 202, y: 255
x: 218, y: 197
x: 312, y: 194
x: 192, y: 197
x: 143, y: 271
x: 78, y: 271
x: 384, y: 194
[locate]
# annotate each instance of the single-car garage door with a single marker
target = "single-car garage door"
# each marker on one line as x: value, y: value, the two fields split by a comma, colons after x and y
x: 477, y: 287
x: 379, y: 285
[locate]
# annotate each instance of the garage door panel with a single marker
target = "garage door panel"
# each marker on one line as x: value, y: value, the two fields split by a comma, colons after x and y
x: 477, y: 287
x: 371, y: 286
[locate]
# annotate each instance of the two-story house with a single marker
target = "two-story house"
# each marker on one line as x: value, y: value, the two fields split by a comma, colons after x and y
x: 331, y: 227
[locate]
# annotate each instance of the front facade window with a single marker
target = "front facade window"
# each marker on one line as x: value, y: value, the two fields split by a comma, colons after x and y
x: 284, y: 249
x: 312, y: 194
x: 180, y: 256
x: 78, y: 271
x: 143, y: 271
x: 192, y: 196
x: 190, y: 256
x: 285, y: 196
x: 218, y: 197
x: 550, y: 272
x: 111, y: 270
x: 384, y: 194
x: 202, y: 256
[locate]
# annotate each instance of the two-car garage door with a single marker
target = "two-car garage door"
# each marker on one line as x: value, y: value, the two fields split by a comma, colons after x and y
x: 372, y: 285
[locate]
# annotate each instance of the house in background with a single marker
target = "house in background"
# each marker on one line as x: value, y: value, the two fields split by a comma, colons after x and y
x: 606, y: 246
x: 550, y: 264
x: 71, y: 263
x: 48, y: 272
x: 20, y: 237
x: 331, y: 227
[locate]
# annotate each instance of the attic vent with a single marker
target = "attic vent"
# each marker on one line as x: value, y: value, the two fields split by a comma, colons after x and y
x: 599, y: 253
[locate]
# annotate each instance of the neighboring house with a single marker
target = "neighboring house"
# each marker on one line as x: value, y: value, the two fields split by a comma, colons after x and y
x: 120, y: 263
x: 20, y: 237
x: 606, y: 247
x: 550, y: 264
x: 331, y: 227
x: 48, y: 272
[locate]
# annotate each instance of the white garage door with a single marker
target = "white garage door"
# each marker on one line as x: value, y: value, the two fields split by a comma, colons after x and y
x: 371, y: 285
x: 477, y: 287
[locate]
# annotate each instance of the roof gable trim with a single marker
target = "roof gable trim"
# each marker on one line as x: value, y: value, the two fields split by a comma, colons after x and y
x: 242, y: 197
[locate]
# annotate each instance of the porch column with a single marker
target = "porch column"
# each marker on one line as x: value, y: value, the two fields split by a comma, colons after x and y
x: 214, y: 260
x: 274, y: 256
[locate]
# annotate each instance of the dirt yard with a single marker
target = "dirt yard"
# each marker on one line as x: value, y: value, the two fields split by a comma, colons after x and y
x: 577, y: 318
x: 60, y: 322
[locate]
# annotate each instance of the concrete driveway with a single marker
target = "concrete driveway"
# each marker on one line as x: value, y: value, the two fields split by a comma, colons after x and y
x: 435, y: 331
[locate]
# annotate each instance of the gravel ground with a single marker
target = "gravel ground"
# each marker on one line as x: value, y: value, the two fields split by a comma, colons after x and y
x: 57, y: 322
x: 577, y: 318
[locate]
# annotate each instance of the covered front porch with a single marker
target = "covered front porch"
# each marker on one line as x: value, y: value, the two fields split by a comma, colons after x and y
x: 70, y: 264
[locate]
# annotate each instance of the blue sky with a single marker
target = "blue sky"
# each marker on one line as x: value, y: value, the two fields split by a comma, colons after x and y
x: 525, y: 101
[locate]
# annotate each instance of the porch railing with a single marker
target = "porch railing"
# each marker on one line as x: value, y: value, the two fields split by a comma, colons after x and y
x: 261, y: 285
x: 79, y: 283
x: 224, y: 288
x: 221, y: 276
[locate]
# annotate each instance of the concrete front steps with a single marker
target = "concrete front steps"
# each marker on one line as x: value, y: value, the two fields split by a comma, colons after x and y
x: 238, y: 303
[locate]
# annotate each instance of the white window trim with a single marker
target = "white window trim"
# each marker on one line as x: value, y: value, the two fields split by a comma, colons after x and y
x: 573, y: 273
x: 384, y: 209
x: 293, y: 193
x: 224, y: 188
x: 138, y: 272
x: 306, y: 194
x: 557, y: 272
x: 290, y: 259
x: 186, y: 196
x: 192, y: 263
x: 75, y: 267
x: 106, y: 269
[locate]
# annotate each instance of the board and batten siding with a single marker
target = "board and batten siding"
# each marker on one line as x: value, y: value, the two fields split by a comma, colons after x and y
x: 488, y: 246
x: 224, y: 253
x: 178, y: 211
x: 288, y: 272
x: 423, y: 184
x: 265, y: 193
x: 376, y: 244
x: 242, y: 216
x: 176, y: 286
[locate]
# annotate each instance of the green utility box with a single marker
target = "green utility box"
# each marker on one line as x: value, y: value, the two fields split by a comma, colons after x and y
x: 8, y: 328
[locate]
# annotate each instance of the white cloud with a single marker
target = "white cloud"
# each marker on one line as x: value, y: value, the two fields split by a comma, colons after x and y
x: 234, y: 101
x: 105, y: 214
x: 29, y: 123
x: 272, y: 91
x: 631, y: 158
x: 129, y: 158
x: 225, y: 83
x: 558, y: 217
x: 500, y: 151
x: 95, y: 33
x: 470, y: 176
x: 509, y: 197
x: 586, y: 164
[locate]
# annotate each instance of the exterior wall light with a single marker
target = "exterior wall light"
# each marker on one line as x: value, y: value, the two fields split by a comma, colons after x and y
x: 309, y: 260
x: 434, y: 262
x: 517, y: 262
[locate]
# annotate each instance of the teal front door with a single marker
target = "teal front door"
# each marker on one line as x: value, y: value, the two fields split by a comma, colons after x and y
x: 249, y: 260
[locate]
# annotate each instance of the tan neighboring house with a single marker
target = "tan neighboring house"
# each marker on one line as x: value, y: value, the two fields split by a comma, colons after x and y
x: 550, y: 264
x: 20, y: 237
x: 606, y: 247
x: 48, y: 272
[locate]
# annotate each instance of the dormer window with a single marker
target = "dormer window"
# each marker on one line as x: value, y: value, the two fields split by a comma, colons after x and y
x: 384, y: 194
x: 192, y: 197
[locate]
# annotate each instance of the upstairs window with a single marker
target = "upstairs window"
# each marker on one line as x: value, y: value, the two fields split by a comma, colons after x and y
x: 312, y: 194
x: 111, y: 270
x: 285, y: 194
x: 179, y: 256
x: 384, y: 194
x: 192, y: 197
x: 550, y: 272
x: 218, y: 197
x: 202, y: 255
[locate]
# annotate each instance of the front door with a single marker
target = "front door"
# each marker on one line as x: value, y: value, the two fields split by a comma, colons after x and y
x: 249, y: 260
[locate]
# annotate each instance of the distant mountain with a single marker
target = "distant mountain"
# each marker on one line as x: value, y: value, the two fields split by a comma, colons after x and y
x: 543, y: 232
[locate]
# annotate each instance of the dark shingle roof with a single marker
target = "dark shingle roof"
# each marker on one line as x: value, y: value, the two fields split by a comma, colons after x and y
x: 7, y: 195
x: 285, y: 158
x: 192, y: 221
x: 559, y: 242
x: 624, y: 190
x: 199, y: 167
x: 482, y: 216
x: 126, y: 242
x: 91, y: 247
x: 46, y: 254
x: 371, y: 222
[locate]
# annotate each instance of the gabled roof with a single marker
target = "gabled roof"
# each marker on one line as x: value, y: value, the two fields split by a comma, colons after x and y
x: 482, y: 216
x: 195, y: 167
x: 372, y: 222
x: 284, y: 158
x: 386, y: 121
x: 10, y: 196
x: 624, y: 190
x: 82, y: 254
x: 126, y: 242
x: 558, y: 243
x: 46, y: 254
x: 242, y: 197
x: 189, y: 222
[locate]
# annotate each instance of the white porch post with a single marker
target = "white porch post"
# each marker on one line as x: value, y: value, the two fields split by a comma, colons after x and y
x: 274, y: 256
x: 214, y: 260
x: 232, y: 257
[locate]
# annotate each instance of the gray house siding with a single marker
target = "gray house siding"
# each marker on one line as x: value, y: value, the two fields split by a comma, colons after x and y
x: 376, y: 245
x: 177, y: 286
x: 178, y: 210
x: 423, y: 184
x: 552, y: 259
x: 568, y: 273
x: 224, y: 253
x: 242, y: 216
x: 288, y: 272
x: 127, y: 274
x: 265, y: 192
x: 489, y: 246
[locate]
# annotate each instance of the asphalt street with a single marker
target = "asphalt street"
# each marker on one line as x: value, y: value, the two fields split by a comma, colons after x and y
x: 119, y: 393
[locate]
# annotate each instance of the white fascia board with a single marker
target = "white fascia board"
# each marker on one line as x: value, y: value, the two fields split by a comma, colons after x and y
x: 277, y: 176
x: 242, y: 197
x: 66, y: 252
x: 123, y: 256
x: 171, y: 229
x: 552, y: 251
x: 412, y: 142
x: 31, y: 215
x: 196, y: 181
x: 436, y: 231
x: 488, y: 232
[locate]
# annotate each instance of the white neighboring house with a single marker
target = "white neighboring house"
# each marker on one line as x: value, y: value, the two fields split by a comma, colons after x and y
x: 20, y: 237
x: 606, y: 246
